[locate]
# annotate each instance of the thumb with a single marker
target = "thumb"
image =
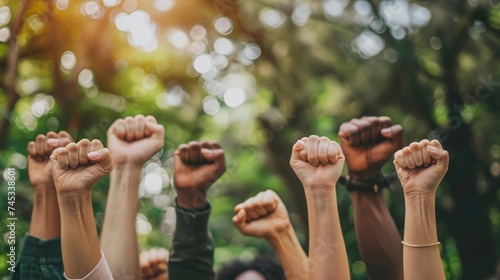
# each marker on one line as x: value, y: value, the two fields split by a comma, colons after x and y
x: 216, y: 156
x: 102, y: 157
x: 154, y: 129
x: 437, y: 152
x: 394, y: 133
x: 297, y: 147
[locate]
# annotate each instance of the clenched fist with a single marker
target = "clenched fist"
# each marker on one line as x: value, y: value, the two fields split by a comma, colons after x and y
x: 135, y: 139
x: 79, y: 166
x: 39, y: 151
x: 368, y: 143
x: 263, y: 215
x: 318, y: 162
x: 421, y: 166
x: 154, y: 264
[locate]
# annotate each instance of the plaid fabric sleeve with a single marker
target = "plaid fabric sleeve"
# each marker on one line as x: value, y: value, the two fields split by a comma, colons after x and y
x: 39, y: 259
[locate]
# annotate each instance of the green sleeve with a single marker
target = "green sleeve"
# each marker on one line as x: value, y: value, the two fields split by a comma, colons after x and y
x: 39, y: 259
x: 192, y: 250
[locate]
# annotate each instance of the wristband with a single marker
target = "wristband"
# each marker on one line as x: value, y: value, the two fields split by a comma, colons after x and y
x: 370, y: 186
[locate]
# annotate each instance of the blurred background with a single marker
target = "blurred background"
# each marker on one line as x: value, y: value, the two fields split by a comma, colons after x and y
x: 256, y: 76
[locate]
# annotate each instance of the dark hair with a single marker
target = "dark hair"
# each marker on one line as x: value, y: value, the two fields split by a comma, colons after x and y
x: 268, y: 267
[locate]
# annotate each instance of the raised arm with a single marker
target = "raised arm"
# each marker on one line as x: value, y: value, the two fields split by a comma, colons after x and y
x: 197, y: 166
x: 76, y: 169
x: 368, y: 143
x: 421, y: 167
x: 132, y: 141
x: 41, y: 252
x: 318, y: 163
x: 265, y: 216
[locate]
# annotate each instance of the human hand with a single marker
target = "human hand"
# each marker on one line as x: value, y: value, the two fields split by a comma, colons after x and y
x: 134, y: 139
x: 197, y: 165
x: 39, y: 151
x: 263, y: 215
x: 79, y: 166
x: 421, y: 166
x: 318, y: 162
x: 368, y: 143
x: 154, y: 264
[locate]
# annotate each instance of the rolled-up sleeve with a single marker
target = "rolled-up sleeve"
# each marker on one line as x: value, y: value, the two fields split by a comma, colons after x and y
x: 100, y: 272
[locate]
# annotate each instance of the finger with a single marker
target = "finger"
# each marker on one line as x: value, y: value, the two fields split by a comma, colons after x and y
x: 333, y: 152
x: 73, y: 155
x: 303, y: 151
x: 48, y: 147
x: 239, y: 220
x: 216, y: 157
x: 408, y: 157
x: 312, y: 150
x: 364, y: 130
x: 32, y: 149
x: 215, y: 145
x: 40, y: 145
x: 205, y: 145
x: 249, y: 209
x: 194, y: 152
x: 130, y: 129
x: 60, y: 156
x: 145, y: 264
x: 375, y: 127
x: 238, y: 207
x: 395, y: 134
x: 426, y: 158
x: 435, y: 150
x: 385, y: 121
x: 323, y: 150
x: 140, y: 126
x: 119, y: 129
x: 399, y: 159
x: 349, y: 133
x: 270, y: 200
x: 83, y: 150
x: 258, y: 206
x: 183, y: 152
x: 154, y: 130
x: 416, y: 151
x: 296, y: 150
x: 150, y: 119
x: 103, y: 158
x: 64, y: 135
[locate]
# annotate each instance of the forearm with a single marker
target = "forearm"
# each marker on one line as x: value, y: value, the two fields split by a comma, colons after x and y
x: 327, y: 252
x: 79, y: 241
x: 292, y: 256
x: 45, y: 219
x: 420, y: 229
x: 119, y: 237
x: 378, y: 238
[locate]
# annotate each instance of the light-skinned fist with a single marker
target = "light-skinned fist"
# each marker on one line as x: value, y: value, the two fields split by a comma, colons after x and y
x: 154, y: 264
x: 39, y: 151
x: 79, y: 166
x: 368, y: 143
x: 317, y: 161
x: 134, y: 140
x: 421, y: 166
x: 263, y: 215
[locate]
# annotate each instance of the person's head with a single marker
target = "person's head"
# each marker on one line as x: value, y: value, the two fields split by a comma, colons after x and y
x: 261, y: 268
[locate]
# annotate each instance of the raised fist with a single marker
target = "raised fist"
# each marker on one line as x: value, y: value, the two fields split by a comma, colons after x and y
x: 39, y: 151
x: 79, y: 166
x: 154, y: 264
x: 263, y: 215
x: 318, y: 162
x: 197, y: 165
x: 134, y: 139
x: 368, y: 143
x: 421, y: 166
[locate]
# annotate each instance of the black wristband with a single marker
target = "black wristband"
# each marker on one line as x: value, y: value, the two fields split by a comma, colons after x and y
x: 369, y: 186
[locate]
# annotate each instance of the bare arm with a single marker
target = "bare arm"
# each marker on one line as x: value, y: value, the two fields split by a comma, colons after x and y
x: 45, y: 220
x: 421, y: 167
x: 132, y: 141
x: 265, y: 216
x: 368, y: 143
x: 76, y: 169
x: 318, y: 163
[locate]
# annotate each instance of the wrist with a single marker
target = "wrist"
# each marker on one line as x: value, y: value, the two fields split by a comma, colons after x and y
x: 275, y: 236
x: 419, y: 199
x: 327, y: 186
x: 191, y: 198
x: 74, y: 196
x: 127, y: 165
x: 44, y: 188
